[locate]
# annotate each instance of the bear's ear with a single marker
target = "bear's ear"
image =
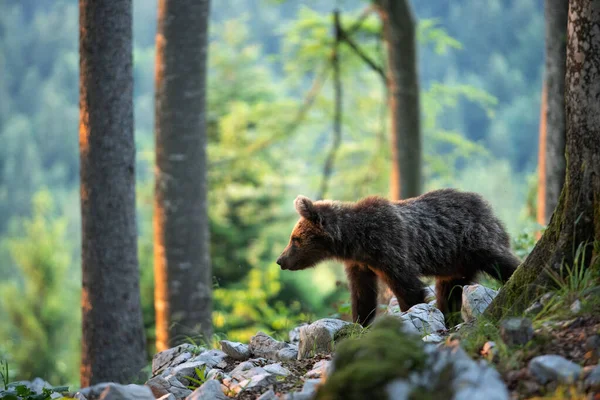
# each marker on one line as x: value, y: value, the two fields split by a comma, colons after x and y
x: 306, y: 208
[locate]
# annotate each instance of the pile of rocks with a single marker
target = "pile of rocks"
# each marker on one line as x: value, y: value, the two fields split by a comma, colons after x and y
x: 254, y: 370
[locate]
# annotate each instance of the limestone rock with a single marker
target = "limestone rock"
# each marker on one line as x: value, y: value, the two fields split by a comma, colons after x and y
x: 263, y: 345
x: 516, y: 331
x: 318, y: 337
x: 475, y: 299
x: 168, y: 396
x: 235, y: 350
x: 422, y: 319
x: 277, y: 369
x: 172, y: 357
x: 552, y: 367
x: 294, y: 334
x: 433, y: 338
x: 210, y: 390
x: 319, y: 370
x: 114, y: 391
x: 163, y: 385
x: 211, y: 358
x: 288, y: 353
x: 256, y: 381
x: 592, y: 382
x: 188, y: 369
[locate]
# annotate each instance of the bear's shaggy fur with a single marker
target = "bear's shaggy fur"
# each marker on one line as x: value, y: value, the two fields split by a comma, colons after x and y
x: 445, y: 233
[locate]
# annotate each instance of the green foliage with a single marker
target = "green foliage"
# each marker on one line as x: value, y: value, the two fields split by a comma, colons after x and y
x: 40, y: 307
x: 477, y: 122
x: 199, y: 378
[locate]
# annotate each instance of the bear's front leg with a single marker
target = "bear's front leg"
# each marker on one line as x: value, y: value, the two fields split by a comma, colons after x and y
x: 363, y: 292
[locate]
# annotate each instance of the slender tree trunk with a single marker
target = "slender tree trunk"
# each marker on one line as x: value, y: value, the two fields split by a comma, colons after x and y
x: 183, y: 278
x: 542, y: 155
x: 113, y: 334
x: 553, y: 150
x: 576, y: 220
x: 403, y: 89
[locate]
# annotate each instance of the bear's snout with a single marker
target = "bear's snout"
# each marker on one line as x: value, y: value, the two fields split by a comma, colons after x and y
x: 280, y: 262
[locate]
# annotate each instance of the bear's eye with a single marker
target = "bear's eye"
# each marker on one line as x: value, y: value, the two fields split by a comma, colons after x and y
x: 296, y: 240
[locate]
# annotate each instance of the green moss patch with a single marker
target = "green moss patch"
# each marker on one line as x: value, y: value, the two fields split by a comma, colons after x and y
x: 364, y: 365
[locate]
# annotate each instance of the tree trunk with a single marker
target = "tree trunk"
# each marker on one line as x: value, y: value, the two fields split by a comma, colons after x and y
x: 576, y: 220
x: 403, y: 98
x: 542, y: 155
x: 554, y: 147
x: 113, y: 336
x: 403, y: 89
x: 183, y: 278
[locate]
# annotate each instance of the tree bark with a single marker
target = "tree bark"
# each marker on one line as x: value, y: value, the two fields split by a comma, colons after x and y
x: 576, y: 220
x: 542, y: 155
x: 113, y: 336
x: 403, y: 88
x: 554, y: 147
x: 183, y: 278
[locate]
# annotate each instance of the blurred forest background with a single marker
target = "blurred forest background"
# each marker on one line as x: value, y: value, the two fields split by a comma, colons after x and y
x: 480, y: 67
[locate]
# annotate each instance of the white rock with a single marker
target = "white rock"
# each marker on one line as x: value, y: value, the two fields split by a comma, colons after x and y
x: 398, y: 390
x: 247, y: 374
x: 168, y: 396
x: 212, y: 358
x: 161, y: 385
x: 422, y: 319
x: 310, y: 385
x: 210, y: 390
x: 516, y: 331
x: 171, y: 357
x: 475, y: 299
x: 188, y: 369
x: 575, y: 307
x: 255, y: 381
x: 551, y: 367
x: 592, y: 382
x: 277, y: 369
x: 263, y: 345
x: 319, y: 370
x: 318, y: 337
x: 294, y: 334
x: 288, y: 353
x: 433, y: 338
x: 215, y: 373
x: 114, y: 391
x: 235, y: 350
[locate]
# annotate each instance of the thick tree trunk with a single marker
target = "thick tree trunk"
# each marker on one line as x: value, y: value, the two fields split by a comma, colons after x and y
x: 183, y: 278
x: 113, y: 336
x: 554, y: 147
x: 576, y: 220
x: 403, y: 88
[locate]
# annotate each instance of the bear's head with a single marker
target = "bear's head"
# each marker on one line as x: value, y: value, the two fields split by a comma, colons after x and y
x: 313, y: 237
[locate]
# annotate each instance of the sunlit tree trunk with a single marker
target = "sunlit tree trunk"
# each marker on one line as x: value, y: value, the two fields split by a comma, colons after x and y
x: 541, y: 193
x: 576, y: 220
x: 403, y: 91
x: 403, y: 88
x: 183, y: 278
x: 113, y: 335
x: 552, y: 149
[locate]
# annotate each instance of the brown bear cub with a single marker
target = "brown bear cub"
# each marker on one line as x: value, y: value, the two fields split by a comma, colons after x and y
x: 445, y: 233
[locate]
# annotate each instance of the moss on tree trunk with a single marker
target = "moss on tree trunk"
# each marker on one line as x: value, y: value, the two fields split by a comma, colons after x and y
x: 576, y: 220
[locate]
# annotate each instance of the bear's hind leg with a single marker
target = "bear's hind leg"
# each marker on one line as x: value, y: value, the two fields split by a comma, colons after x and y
x: 363, y: 292
x: 499, y: 264
x: 448, y: 293
x: 408, y: 290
